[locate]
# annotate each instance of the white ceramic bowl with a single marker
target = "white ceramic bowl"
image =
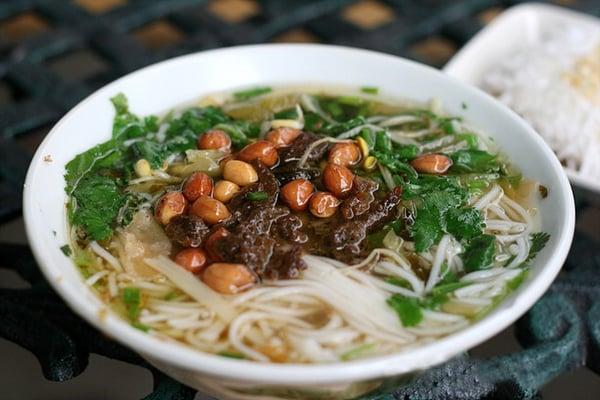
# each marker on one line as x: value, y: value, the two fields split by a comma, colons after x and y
x: 162, y: 86
x: 518, y: 26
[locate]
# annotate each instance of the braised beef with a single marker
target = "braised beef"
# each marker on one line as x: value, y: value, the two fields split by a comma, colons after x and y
x: 286, y: 263
x: 187, y: 230
x: 288, y: 172
x: 296, y: 150
x: 289, y: 228
x: 348, y: 238
x: 360, y: 198
x: 240, y: 206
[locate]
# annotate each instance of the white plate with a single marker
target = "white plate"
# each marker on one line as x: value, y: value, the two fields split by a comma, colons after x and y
x: 520, y: 25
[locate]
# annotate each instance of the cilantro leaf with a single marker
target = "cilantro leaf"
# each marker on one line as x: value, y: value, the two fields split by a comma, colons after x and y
x: 95, y: 204
x: 408, y: 309
x: 250, y: 93
x: 464, y: 222
x: 257, y: 196
x: 132, y: 298
x: 66, y: 249
x: 538, y: 242
x: 369, y: 89
x: 479, y: 253
x: 474, y: 160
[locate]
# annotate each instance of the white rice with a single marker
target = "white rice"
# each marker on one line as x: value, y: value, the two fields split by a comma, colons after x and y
x: 554, y: 83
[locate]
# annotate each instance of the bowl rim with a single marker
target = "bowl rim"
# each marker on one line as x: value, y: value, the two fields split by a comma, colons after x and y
x: 423, y: 356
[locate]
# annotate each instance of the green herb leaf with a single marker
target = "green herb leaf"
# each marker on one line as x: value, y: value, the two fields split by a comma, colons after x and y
x: 140, y: 326
x: 257, y: 196
x: 232, y: 354
x: 479, y: 253
x: 538, y: 242
x: 448, y: 287
x: 369, y: 89
x: 464, y: 222
x: 66, y: 249
x: 95, y: 204
x: 474, y: 161
x: 250, y: 93
x: 358, y: 352
x: 408, y: 309
x: 397, y: 281
x: 132, y: 298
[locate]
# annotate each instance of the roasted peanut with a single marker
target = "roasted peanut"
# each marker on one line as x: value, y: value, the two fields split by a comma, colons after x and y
x: 196, y: 185
x: 432, y: 164
x: 282, y: 137
x: 214, y: 139
x: 344, y: 154
x: 168, y: 206
x: 337, y: 179
x: 225, y: 190
x: 263, y: 150
x: 193, y: 260
x: 210, y: 210
x: 297, y: 193
x: 211, y: 242
x: 228, y: 278
x: 239, y: 172
x: 142, y: 168
x: 323, y: 204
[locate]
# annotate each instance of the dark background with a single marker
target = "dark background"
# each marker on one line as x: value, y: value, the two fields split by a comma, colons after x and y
x: 53, y: 53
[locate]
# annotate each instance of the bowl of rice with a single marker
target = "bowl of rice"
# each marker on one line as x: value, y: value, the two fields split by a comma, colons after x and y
x: 543, y: 62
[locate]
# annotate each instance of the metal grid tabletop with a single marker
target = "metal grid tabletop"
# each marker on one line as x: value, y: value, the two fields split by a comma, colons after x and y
x: 55, y: 52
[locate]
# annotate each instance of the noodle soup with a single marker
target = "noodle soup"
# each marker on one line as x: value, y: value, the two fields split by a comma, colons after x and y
x: 300, y: 226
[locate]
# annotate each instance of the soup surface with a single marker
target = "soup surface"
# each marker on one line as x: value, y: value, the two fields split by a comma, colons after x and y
x: 300, y: 226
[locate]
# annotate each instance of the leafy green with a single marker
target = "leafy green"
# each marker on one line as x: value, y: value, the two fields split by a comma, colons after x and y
x: 397, y: 281
x: 239, y: 131
x: 232, y: 354
x: 351, y: 100
x: 383, y: 143
x: 140, y: 326
x: 66, y: 249
x: 479, y: 253
x: 441, y: 208
x: 358, y: 352
x: 464, y: 222
x: 538, y: 242
x: 369, y: 89
x: 448, y: 287
x: 132, y: 298
x: 257, y: 196
x: 434, y: 300
x: 101, y: 156
x: 394, y: 163
x: 336, y: 129
x: 250, y: 93
x: 474, y: 161
x: 95, y: 204
x: 408, y: 309
x: 290, y: 113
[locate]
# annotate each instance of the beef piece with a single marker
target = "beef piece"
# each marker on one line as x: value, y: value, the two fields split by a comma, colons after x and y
x: 250, y: 242
x: 296, y: 150
x: 286, y: 263
x: 240, y: 206
x: 288, y: 172
x: 289, y: 228
x: 348, y: 238
x: 187, y: 230
x: 360, y: 198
